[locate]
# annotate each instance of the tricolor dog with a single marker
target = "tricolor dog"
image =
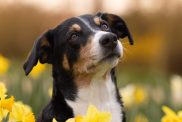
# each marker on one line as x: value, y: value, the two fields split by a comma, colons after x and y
x: 83, y: 52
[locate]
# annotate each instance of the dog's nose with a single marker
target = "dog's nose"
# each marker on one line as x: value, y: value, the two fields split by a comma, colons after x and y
x: 108, y: 41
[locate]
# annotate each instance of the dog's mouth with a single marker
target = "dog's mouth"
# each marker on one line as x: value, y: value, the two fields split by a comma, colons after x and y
x: 112, y: 55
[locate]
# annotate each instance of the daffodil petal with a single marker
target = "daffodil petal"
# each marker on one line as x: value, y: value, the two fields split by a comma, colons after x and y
x: 92, y: 111
x: 105, y: 117
x: 3, y: 113
x: 54, y: 120
x: 168, y: 111
x: 7, y: 103
x: 71, y: 120
x: 92, y: 115
x: 180, y: 113
x: 3, y: 90
x: 37, y: 70
x: 21, y: 112
x: 4, y: 65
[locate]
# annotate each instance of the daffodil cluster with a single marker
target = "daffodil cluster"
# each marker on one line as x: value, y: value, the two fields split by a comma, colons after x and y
x: 13, y: 111
x: 171, y: 116
x: 92, y: 115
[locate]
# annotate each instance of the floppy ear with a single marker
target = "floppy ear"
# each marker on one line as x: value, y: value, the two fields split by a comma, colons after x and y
x: 117, y: 25
x: 42, y: 50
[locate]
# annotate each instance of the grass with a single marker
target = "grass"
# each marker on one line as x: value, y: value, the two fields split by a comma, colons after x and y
x: 34, y: 92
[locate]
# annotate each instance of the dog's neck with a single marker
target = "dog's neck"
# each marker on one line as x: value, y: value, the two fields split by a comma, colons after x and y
x: 97, y: 89
x: 68, y: 84
x: 84, y: 80
x: 101, y: 92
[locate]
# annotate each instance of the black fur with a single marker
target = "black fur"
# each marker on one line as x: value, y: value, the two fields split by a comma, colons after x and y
x: 119, y: 99
x: 51, y: 47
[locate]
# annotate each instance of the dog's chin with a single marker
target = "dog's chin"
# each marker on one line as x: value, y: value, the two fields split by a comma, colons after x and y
x: 111, y: 60
x: 105, y: 63
x: 112, y: 57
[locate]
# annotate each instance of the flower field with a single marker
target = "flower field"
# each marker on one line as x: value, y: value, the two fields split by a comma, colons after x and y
x: 148, y: 95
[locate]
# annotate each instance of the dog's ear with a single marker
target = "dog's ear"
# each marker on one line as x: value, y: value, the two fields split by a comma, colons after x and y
x: 117, y: 25
x: 42, y: 50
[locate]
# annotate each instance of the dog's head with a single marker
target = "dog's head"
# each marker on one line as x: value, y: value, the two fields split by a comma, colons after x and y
x: 81, y: 44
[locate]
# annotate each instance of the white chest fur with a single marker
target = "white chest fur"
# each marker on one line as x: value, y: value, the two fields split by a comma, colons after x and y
x: 101, y: 94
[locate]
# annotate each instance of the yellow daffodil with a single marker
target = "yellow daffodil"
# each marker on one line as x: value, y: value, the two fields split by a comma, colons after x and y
x: 76, y: 119
x: 127, y: 94
x: 37, y: 70
x: 21, y: 113
x: 4, y: 64
x: 3, y: 114
x: 171, y: 116
x: 54, y: 120
x: 3, y: 90
x: 50, y: 91
x: 141, y: 118
x: 93, y: 115
x: 7, y: 103
x: 140, y: 95
x: 180, y: 115
x: 132, y: 94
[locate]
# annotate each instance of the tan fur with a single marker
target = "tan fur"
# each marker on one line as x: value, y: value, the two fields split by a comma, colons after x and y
x: 83, y: 80
x: 97, y: 20
x: 44, y: 57
x: 44, y: 42
x: 65, y: 62
x: 110, y: 19
x: 83, y: 60
x: 75, y: 27
x: 81, y: 67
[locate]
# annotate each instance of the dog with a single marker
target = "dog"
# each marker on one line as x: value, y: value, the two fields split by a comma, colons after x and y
x: 83, y: 52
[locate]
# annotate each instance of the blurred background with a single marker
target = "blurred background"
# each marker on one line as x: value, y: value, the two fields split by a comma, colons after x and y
x: 149, y: 76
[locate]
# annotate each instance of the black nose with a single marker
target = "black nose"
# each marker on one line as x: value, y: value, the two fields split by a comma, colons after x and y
x: 108, y: 41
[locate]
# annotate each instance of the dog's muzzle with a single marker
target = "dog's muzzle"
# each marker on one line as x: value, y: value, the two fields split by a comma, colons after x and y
x: 110, y: 44
x: 108, y: 41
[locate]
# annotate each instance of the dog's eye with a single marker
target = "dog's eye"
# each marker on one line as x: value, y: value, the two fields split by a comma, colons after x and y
x: 74, y: 40
x: 104, y: 27
x: 74, y: 36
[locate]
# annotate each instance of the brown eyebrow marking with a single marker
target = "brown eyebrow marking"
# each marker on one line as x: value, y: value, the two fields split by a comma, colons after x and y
x: 97, y: 20
x: 75, y: 27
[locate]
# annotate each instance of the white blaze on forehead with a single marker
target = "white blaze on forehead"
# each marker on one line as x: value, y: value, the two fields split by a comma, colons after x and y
x: 99, y: 34
x: 87, y: 24
x: 97, y: 49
